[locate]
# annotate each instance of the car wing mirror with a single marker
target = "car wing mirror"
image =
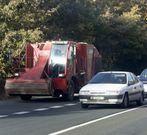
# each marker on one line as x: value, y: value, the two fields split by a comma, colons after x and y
x: 130, y: 83
x: 138, y: 76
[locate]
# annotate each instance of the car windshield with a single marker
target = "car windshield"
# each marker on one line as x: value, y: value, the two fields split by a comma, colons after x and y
x: 113, y: 78
x: 143, y: 75
x: 58, y: 59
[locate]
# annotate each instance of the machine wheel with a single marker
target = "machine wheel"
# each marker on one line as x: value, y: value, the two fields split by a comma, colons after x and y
x: 25, y: 97
x: 56, y: 94
x: 70, y: 93
x: 84, y: 105
x: 125, y: 102
x: 141, y: 99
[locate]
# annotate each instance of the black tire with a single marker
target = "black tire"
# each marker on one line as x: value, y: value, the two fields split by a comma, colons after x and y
x: 25, y: 97
x: 70, y: 93
x: 84, y: 105
x: 141, y: 99
x: 51, y: 89
x: 125, y: 102
x: 56, y: 94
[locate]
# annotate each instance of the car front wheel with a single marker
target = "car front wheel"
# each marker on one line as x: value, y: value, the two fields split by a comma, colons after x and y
x: 141, y: 99
x: 125, y: 102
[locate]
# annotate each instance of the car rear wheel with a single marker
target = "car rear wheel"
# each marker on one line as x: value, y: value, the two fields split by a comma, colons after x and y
x: 125, y: 102
x: 84, y: 105
x: 141, y: 99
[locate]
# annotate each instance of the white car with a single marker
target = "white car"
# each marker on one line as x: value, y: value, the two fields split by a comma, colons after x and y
x: 112, y: 87
x: 143, y: 78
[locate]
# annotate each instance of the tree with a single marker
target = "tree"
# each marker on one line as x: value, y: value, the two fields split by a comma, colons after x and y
x: 120, y: 35
x: 21, y: 21
x: 117, y: 28
x: 73, y: 19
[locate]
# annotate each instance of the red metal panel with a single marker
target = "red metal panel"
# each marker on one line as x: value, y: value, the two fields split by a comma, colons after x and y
x: 81, y: 58
x: 36, y: 72
x: 37, y: 56
x: 29, y: 56
x: 60, y: 84
x: 18, y: 86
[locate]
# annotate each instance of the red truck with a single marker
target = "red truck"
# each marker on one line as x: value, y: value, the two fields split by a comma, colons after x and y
x: 55, y: 68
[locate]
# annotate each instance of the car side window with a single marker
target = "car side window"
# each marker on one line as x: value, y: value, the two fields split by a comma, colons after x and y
x: 134, y: 78
x: 131, y: 81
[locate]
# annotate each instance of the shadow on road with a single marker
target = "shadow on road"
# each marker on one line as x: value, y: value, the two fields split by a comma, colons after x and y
x: 48, y: 99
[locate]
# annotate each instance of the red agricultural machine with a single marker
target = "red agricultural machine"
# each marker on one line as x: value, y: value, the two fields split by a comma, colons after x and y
x: 55, y: 68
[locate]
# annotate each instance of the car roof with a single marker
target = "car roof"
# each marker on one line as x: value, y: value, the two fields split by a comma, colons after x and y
x: 144, y: 70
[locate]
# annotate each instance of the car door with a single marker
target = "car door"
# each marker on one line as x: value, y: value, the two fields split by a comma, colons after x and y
x: 131, y: 87
x: 137, y: 87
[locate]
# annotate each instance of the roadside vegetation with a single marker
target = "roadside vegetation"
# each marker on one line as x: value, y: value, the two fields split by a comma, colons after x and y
x: 117, y: 28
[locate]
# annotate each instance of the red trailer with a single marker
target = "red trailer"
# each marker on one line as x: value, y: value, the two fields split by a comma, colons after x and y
x: 55, y: 68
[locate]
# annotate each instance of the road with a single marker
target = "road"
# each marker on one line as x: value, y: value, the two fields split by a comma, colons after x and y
x: 48, y: 116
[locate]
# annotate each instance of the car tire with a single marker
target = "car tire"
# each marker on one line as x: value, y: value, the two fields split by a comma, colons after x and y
x: 70, y: 93
x: 56, y: 94
x: 25, y: 97
x: 84, y: 105
x: 141, y: 99
x: 125, y: 102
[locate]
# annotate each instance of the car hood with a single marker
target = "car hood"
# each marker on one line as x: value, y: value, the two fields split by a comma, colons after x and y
x: 103, y: 87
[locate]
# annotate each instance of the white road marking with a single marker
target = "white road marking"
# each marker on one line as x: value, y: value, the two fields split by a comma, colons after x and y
x: 55, y: 107
x: 90, y: 122
x: 3, y: 116
x: 20, y: 113
x: 37, y: 110
x: 41, y: 109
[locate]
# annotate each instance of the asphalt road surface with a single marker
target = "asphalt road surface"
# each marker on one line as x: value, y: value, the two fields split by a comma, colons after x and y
x: 49, y: 116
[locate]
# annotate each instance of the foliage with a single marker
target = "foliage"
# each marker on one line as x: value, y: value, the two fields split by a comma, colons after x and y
x: 121, y: 35
x: 116, y: 27
x: 72, y: 20
x: 20, y: 22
